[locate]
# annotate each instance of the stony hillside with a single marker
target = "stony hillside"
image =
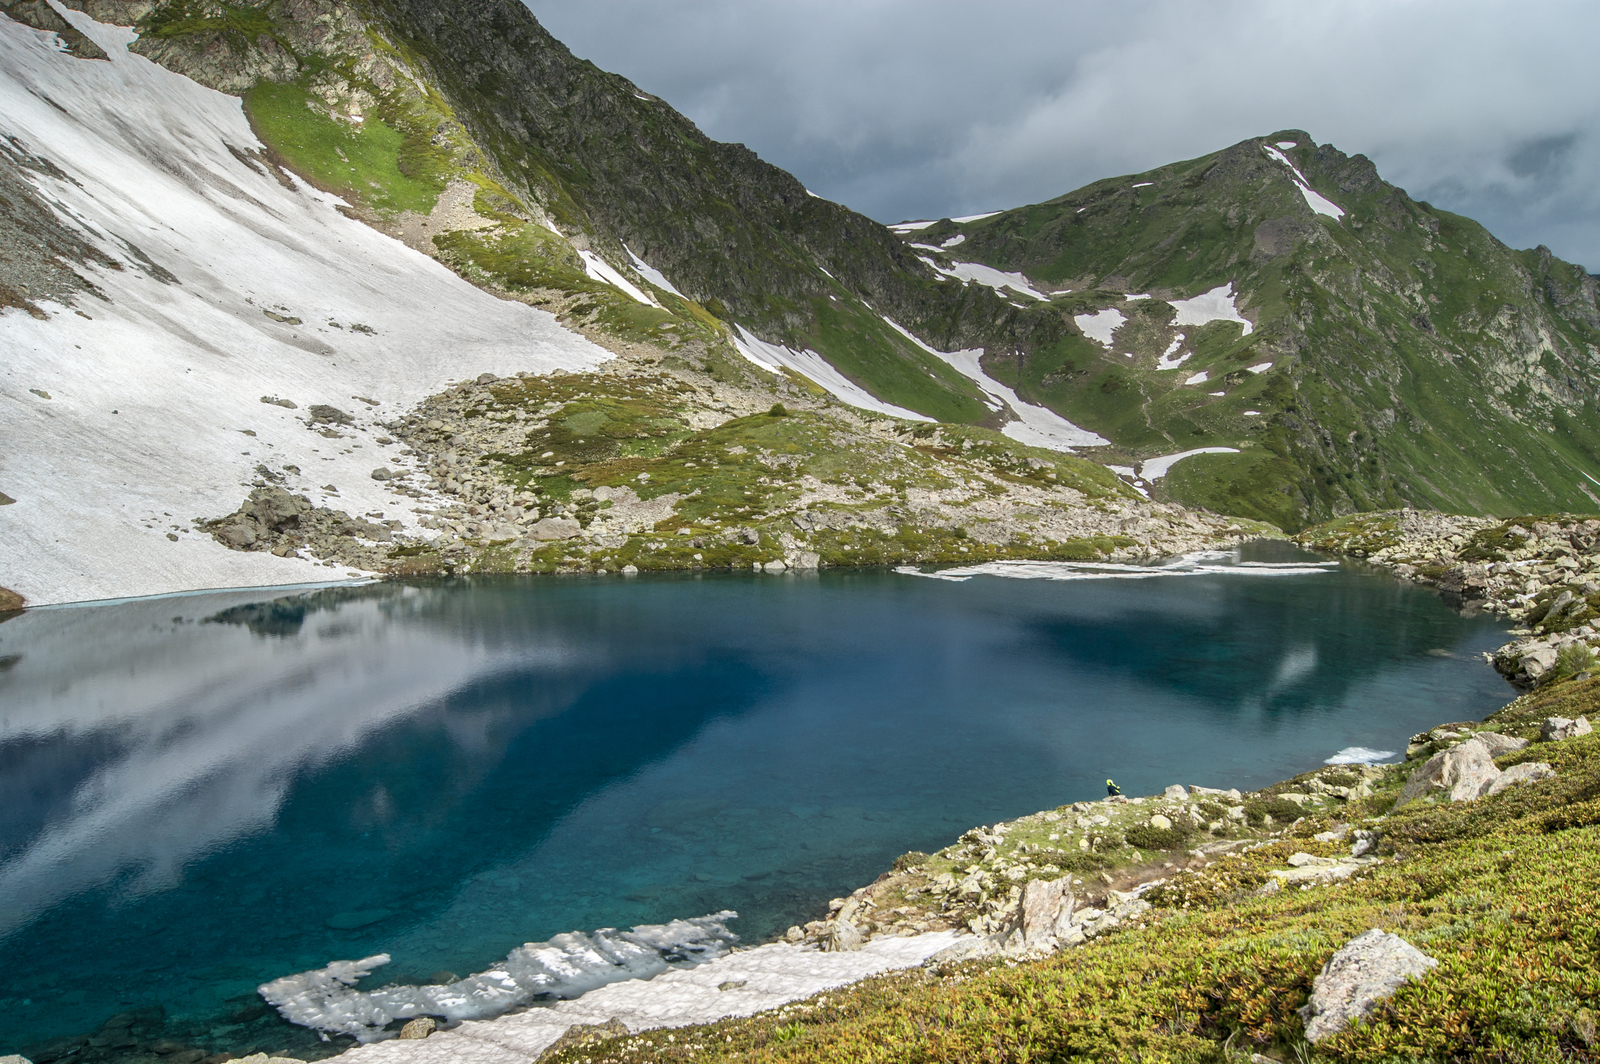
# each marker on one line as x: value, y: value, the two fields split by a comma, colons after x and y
x: 1383, y: 352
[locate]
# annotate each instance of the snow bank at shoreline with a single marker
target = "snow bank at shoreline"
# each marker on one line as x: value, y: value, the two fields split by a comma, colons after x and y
x: 755, y: 980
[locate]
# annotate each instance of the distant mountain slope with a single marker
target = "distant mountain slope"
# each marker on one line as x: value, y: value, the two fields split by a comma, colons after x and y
x: 1318, y: 342
x: 1390, y: 353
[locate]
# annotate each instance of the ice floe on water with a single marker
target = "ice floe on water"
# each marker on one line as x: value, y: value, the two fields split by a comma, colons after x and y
x: 1201, y: 563
x: 775, y: 358
x: 567, y: 966
x: 1359, y: 755
x: 1100, y: 325
x: 1315, y: 200
x: 1215, y: 305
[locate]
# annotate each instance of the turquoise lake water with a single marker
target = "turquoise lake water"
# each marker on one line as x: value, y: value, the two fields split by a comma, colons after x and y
x: 202, y: 793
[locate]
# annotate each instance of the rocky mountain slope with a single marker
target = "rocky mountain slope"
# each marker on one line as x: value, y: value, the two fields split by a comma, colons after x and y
x: 1380, y: 351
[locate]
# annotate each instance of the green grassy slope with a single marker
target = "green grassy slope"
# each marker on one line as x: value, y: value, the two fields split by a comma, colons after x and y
x: 1415, y: 359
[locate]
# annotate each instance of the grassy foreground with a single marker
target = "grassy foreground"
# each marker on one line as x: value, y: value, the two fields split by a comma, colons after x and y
x: 1503, y: 892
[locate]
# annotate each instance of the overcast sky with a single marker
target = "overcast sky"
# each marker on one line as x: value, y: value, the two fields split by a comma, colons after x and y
x: 929, y: 108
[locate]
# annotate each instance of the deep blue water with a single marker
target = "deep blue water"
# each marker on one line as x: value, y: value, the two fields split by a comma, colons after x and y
x: 198, y: 794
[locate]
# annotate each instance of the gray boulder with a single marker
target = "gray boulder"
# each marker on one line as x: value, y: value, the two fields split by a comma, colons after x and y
x: 1464, y: 771
x: 1554, y: 729
x: 555, y: 528
x: 1046, y: 904
x: 1368, y: 970
x: 1499, y: 745
x: 1525, y: 773
x: 843, y: 937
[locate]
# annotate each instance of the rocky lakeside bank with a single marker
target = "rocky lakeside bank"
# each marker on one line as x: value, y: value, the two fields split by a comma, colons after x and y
x: 695, y: 460
x: 1542, y: 571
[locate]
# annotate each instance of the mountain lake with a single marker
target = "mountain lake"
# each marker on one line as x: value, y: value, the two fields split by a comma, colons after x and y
x: 200, y: 793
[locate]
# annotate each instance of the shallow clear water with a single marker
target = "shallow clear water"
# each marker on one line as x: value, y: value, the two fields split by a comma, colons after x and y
x: 198, y: 794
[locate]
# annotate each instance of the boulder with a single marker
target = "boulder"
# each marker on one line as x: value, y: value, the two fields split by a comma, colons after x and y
x: 421, y: 1027
x: 555, y: 528
x: 1464, y: 771
x: 804, y: 559
x: 1499, y: 745
x: 1524, y: 773
x: 1177, y: 791
x: 1554, y: 729
x: 1161, y: 823
x: 1368, y: 970
x: 843, y: 937
x: 1046, y: 903
x: 381, y: 473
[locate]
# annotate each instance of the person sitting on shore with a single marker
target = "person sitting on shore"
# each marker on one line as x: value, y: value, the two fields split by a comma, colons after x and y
x: 1112, y: 790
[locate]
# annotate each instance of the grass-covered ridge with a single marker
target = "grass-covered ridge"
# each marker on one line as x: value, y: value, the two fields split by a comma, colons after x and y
x: 1502, y: 892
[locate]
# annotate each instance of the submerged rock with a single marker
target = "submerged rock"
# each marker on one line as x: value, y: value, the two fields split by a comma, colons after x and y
x: 1369, y: 969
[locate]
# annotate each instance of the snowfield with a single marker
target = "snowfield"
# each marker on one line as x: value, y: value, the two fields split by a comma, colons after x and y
x: 1036, y: 426
x: 757, y: 979
x: 154, y: 415
x: 775, y: 358
x: 1215, y: 305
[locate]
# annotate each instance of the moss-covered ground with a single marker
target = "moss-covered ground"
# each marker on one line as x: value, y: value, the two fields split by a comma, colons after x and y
x: 1503, y: 892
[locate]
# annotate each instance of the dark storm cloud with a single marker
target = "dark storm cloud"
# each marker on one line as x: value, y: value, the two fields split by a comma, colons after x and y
x: 925, y: 108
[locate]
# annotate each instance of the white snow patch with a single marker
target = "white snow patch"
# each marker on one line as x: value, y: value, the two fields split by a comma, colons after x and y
x: 1140, y: 295
x: 651, y: 274
x: 1315, y: 200
x: 1587, y: 475
x: 605, y: 273
x: 1037, y: 426
x: 765, y: 977
x: 144, y: 428
x: 926, y: 247
x: 1166, y: 361
x: 911, y: 227
x: 567, y: 966
x: 1253, y: 413
x: 807, y: 363
x: 1215, y: 305
x: 1359, y: 755
x: 1199, y: 378
x: 1260, y: 367
x: 1287, y: 144
x: 1216, y: 393
x: 953, y: 241
x: 1123, y: 470
x: 986, y: 275
x: 977, y: 217
x: 1201, y: 563
x: 1156, y: 468
x: 812, y: 194
x: 1100, y: 325
x: 1144, y: 184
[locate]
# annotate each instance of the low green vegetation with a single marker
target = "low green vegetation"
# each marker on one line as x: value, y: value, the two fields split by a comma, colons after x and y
x: 1501, y: 891
x: 362, y: 159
